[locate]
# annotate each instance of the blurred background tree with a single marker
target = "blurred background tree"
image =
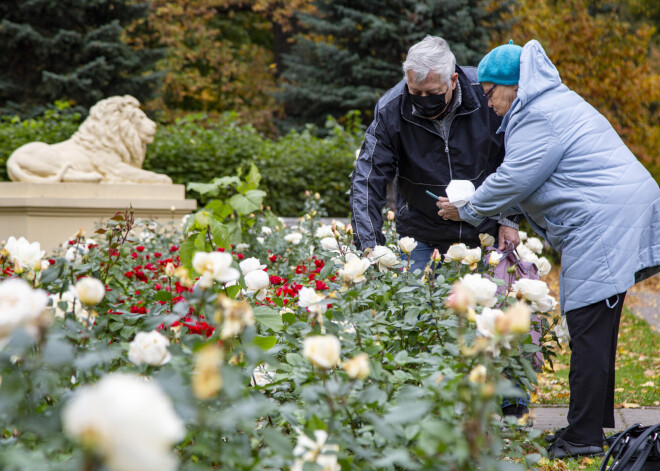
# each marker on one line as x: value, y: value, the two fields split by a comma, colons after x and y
x: 70, y: 50
x: 351, y: 51
x: 604, y: 59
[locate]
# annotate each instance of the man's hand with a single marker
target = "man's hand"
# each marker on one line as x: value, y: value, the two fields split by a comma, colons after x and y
x: 447, y: 210
x: 510, y: 234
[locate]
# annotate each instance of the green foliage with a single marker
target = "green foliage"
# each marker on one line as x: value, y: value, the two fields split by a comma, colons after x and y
x: 57, y: 124
x: 195, y: 149
x: 425, y: 397
x: 354, y: 49
x: 72, y: 50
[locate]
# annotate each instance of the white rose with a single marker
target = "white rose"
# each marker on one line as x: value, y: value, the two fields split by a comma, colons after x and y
x: 339, y: 225
x: 487, y: 322
x: 293, y: 238
x: 354, y: 269
x: 20, y: 306
x: 478, y: 374
x: 526, y: 255
x: 149, y: 348
x: 256, y: 281
x: 357, y: 367
x: 531, y: 290
x: 329, y: 243
x: 544, y: 266
x: 407, y: 244
x: 535, y: 245
x: 494, y: 258
x: 472, y: 257
x: 250, y: 264
x: 261, y: 376
x: 384, y: 257
x: 128, y: 420
x: 308, y: 297
x: 266, y: 230
x: 546, y: 304
x: 315, y: 451
x: 456, y: 253
x: 482, y: 289
x: 322, y: 350
x: 260, y: 240
x: 216, y: 265
x: 242, y: 247
x: 561, y: 331
x: 24, y: 254
x: 519, y: 318
x: 522, y: 235
x: 323, y: 231
x: 89, y: 290
x: 487, y: 240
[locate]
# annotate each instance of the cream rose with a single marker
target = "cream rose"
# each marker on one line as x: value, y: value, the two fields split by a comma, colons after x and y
x: 384, y: 257
x: 330, y: 244
x: 149, y: 348
x: 456, y: 253
x: 487, y: 240
x: 21, y: 306
x: 250, y: 264
x: 482, y: 290
x: 354, y: 269
x: 294, y: 238
x: 308, y: 297
x: 472, y: 257
x: 89, y: 290
x: 544, y: 266
x: 531, y: 290
x: 358, y: 366
x: 535, y: 245
x: 324, y: 231
x: 215, y: 265
x: 128, y: 420
x: 23, y: 254
x: 407, y: 244
x: 322, y: 351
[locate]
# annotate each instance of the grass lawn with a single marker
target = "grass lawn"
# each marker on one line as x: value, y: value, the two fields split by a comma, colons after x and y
x: 637, y: 368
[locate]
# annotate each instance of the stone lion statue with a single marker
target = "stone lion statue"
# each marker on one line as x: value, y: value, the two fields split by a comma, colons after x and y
x: 109, y: 147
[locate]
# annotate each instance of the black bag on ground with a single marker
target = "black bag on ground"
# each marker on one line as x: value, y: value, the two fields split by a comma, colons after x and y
x: 634, y: 449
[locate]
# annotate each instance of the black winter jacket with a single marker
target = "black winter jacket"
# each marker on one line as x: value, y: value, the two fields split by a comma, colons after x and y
x: 409, y: 150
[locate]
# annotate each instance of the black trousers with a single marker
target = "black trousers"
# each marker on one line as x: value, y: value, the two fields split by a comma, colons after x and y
x: 594, y: 330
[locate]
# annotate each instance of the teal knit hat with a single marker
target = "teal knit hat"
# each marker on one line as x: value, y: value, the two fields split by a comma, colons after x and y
x: 501, y: 66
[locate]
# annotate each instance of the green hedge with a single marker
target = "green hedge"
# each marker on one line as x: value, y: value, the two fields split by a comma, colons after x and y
x: 197, y: 149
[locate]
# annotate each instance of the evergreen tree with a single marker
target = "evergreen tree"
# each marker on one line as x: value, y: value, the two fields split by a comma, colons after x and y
x: 353, y: 49
x: 71, y: 50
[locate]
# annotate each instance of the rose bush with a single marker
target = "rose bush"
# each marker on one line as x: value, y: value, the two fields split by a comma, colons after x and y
x: 258, y: 350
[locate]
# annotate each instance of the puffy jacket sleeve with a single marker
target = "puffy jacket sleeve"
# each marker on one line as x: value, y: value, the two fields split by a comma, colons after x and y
x: 533, y: 152
x: 374, y: 169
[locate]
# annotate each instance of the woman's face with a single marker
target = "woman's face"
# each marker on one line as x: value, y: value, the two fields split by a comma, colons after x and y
x: 500, y: 97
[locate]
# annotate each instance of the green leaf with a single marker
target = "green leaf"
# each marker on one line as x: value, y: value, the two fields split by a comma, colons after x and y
x: 247, y: 203
x: 220, y: 209
x: 269, y: 317
x: 220, y: 234
x: 211, y: 189
x: 163, y: 296
x: 187, y: 250
x: 226, y: 182
x: 277, y: 442
x: 265, y: 343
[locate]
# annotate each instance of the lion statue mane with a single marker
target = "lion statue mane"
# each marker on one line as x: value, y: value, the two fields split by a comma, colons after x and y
x: 108, y: 147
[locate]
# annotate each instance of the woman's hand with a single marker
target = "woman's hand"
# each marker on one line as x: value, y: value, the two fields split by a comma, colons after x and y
x: 447, y: 210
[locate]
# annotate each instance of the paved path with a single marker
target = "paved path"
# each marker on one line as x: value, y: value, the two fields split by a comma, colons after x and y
x: 549, y: 418
x: 645, y: 304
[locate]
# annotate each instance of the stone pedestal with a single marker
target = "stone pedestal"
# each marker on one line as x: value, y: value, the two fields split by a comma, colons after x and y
x: 49, y: 213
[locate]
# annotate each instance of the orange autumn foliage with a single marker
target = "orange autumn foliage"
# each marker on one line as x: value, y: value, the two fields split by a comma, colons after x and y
x: 603, y: 59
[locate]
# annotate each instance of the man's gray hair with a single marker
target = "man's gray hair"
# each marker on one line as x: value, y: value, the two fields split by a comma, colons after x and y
x: 432, y: 54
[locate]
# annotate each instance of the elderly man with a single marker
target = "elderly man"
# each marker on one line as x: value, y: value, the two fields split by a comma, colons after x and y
x: 433, y: 127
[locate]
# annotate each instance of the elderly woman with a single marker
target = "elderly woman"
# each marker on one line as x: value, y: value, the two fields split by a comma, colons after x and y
x: 579, y: 186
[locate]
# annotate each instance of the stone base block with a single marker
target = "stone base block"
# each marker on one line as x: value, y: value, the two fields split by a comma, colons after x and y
x: 49, y: 213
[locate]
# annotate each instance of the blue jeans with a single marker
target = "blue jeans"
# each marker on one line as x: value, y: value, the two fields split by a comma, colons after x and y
x: 421, y: 255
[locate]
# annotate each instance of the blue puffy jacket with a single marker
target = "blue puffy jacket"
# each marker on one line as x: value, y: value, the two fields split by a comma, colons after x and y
x: 577, y: 183
x: 410, y: 150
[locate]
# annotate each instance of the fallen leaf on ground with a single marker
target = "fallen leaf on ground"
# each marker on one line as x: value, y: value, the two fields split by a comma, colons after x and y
x: 629, y: 405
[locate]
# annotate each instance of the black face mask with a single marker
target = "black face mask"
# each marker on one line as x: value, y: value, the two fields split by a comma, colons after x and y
x: 429, y: 106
